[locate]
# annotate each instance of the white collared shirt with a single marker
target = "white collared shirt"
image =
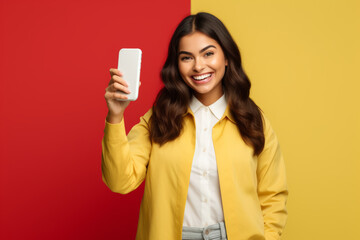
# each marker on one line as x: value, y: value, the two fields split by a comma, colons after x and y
x: 203, y: 204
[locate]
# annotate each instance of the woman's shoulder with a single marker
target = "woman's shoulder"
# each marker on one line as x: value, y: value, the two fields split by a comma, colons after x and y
x: 265, y: 120
x: 148, y: 114
x: 142, y: 125
x: 269, y: 132
x: 146, y: 117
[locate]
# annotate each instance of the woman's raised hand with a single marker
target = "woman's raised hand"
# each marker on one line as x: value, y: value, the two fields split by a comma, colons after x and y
x: 117, y: 90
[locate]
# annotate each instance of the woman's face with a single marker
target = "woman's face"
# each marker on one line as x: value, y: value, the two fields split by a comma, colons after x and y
x: 202, y: 64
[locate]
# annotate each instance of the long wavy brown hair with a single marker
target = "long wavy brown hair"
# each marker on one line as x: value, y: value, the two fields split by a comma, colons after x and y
x: 173, y: 100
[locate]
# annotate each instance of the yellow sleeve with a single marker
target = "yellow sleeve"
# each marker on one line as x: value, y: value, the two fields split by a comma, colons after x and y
x: 272, y: 187
x: 125, y: 158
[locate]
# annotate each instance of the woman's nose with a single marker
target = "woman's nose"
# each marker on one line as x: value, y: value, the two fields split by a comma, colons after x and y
x: 198, y: 65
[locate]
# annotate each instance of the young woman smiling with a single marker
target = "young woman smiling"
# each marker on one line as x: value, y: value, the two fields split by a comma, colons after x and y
x: 202, y: 66
x: 211, y: 160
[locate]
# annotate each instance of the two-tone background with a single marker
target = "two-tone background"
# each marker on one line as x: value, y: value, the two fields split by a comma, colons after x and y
x: 303, y: 59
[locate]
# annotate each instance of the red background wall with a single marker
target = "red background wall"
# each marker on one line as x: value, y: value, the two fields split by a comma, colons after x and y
x: 54, y: 62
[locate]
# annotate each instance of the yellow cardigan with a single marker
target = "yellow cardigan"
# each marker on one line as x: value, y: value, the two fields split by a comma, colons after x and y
x: 253, y: 189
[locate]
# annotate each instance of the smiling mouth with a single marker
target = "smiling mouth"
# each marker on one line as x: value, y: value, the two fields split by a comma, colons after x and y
x: 202, y: 77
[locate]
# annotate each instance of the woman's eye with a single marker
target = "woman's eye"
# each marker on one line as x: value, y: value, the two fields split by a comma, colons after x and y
x: 185, y: 58
x: 208, y: 54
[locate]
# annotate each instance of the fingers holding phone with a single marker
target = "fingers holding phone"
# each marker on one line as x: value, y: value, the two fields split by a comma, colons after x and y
x: 116, y: 96
x: 118, y: 84
x: 124, y: 83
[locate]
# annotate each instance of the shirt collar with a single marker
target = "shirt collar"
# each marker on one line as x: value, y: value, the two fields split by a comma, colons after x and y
x: 195, y: 104
x: 217, y: 108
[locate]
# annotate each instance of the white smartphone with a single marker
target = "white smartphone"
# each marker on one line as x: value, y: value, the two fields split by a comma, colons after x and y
x: 129, y: 64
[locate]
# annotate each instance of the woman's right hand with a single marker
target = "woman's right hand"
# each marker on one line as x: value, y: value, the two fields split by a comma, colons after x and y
x: 117, y: 90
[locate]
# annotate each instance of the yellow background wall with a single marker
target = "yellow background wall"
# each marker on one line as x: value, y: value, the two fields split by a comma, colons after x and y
x: 303, y: 58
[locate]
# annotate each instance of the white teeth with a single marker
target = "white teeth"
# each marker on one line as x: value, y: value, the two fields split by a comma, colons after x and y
x: 202, y: 76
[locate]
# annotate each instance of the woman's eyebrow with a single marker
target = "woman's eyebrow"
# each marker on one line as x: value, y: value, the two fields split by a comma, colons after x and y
x: 202, y: 50
x: 205, y: 48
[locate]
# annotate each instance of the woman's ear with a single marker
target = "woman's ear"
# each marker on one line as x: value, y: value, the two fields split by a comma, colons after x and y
x: 226, y: 62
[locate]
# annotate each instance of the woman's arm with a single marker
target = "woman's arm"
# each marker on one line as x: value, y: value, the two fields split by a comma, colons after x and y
x: 272, y: 187
x: 125, y: 158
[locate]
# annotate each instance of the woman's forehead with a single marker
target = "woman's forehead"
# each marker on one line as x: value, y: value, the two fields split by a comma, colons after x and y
x: 196, y: 41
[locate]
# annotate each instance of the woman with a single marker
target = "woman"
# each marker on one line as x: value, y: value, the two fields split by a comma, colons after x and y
x: 211, y: 160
